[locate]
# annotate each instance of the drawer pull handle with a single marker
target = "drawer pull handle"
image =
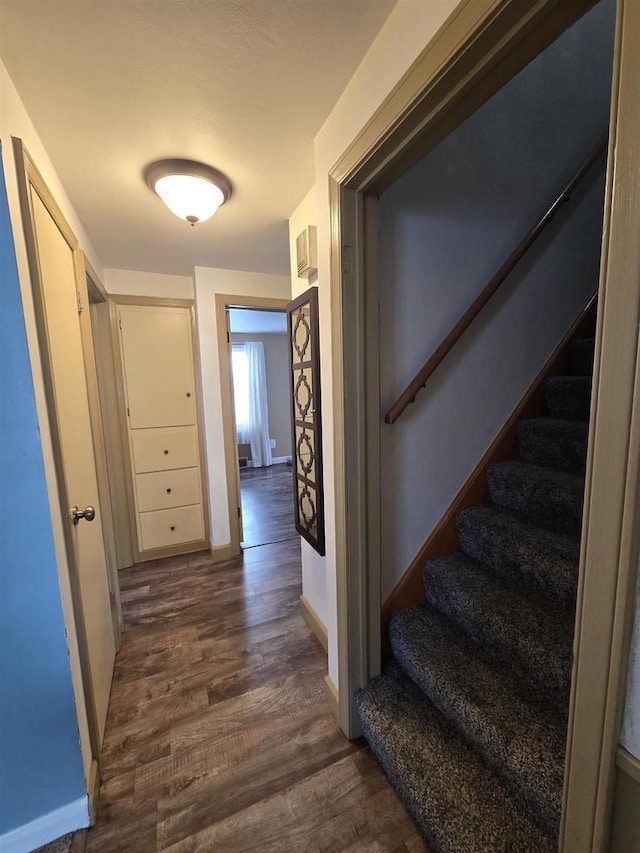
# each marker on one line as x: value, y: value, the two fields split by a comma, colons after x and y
x: 168, y: 491
x: 188, y: 393
x: 173, y: 527
x: 166, y: 453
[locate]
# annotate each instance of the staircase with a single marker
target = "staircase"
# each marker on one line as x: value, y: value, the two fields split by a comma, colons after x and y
x: 469, y: 719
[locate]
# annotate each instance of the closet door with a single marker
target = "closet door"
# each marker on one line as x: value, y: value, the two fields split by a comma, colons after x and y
x: 158, y: 366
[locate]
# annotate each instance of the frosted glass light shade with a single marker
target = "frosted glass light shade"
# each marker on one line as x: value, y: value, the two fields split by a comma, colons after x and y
x: 192, y: 191
x: 191, y: 199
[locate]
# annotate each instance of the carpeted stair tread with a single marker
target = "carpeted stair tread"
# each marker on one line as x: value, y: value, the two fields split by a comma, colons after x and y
x: 523, y: 742
x: 457, y: 802
x: 515, y: 549
x: 568, y: 397
x: 554, y: 443
x: 548, y: 498
x: 581, y: 356
x: 518, y: 628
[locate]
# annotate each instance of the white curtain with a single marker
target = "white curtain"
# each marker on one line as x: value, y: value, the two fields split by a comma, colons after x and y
x: 258, y: 427
x: 241, y: 391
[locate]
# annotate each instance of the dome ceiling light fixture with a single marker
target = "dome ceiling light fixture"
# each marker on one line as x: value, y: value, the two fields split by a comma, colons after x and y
x: 192, y: 191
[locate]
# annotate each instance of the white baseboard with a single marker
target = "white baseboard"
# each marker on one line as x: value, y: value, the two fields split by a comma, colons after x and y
x: 276, y: 460
x: 314, y: 622
x: 332, y: 697
x: 46, y: 828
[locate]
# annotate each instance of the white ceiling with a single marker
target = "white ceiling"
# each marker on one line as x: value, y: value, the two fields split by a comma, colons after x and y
x: 243, y: 85
x: 248, y: 322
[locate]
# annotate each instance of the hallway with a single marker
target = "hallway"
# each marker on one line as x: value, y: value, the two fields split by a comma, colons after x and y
x: 218, y: 734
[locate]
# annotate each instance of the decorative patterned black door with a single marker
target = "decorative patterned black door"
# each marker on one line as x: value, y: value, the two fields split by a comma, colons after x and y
x: 306, y: 418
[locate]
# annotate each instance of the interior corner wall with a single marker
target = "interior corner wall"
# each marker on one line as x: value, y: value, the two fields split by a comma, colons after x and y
x: 41, y: 761
x: 404, y: 35
x: 445, y: 228
x: 159, y: 285
x: 15, y: 121
x: 208, y: 282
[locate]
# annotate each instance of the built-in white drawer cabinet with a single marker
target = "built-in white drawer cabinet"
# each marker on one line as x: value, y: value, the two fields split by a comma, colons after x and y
x: 162, y: 449
x: 165, y: 489
x: 159, y: 387
x: 166, y: 527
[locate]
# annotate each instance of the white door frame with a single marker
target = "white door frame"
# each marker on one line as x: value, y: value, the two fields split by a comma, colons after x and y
x: 470, y: 58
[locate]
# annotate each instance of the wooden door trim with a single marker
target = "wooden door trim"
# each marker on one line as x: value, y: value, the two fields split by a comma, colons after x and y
x: 478, y: 49
x: 151, y: 301
x: 29, y: 177
x: 223, y: 301
x: 116, y: 300
x: 611, y: 531
x: 121, y: 403
x: 96, y: 281
x: 98, y: 429
x: 107, y: 383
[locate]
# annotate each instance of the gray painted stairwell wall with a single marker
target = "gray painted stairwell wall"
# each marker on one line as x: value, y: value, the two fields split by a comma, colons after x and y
x: 445, y: 228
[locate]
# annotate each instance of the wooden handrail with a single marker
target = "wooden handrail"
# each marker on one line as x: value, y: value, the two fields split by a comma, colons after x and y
x: 434, y: 361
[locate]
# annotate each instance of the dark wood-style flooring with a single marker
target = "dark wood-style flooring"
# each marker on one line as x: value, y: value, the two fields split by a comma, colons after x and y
x: 218, y: 735
x: 267, y: 505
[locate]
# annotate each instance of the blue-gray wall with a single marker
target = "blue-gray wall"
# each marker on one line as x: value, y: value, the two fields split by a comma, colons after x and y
x: 630, y: 737
x: 40, y: 759
x: 445, y: 228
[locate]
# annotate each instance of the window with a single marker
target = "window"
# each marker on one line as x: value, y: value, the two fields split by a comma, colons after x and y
x: 240, y: 367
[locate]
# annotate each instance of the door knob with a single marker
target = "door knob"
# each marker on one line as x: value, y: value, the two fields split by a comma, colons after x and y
x: 88, y: 513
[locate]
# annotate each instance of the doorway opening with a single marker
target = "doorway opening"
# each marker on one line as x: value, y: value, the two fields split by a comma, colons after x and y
x: 385, y: 149
x: 260, y: 389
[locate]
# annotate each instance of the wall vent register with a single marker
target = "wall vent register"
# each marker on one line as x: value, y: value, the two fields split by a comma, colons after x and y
x: 307, y: 252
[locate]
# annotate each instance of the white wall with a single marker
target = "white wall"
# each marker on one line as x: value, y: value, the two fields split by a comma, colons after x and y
x: 315, y: 586
x: 445, y: 228
x: 207, y: 283
x: 14, y: 121
x: 403, y: 37
x: 136, y: 283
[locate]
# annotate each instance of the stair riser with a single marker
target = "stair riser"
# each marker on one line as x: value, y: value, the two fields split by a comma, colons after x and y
x: 552, y: 685
x: 549, y: 677
x: 554, y: 575
x: 568, y: 398
x: 459, y: 806
x: 581, y: 356
x: 537, y: 792
x: 558, y: 510
x: 548, y: 445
